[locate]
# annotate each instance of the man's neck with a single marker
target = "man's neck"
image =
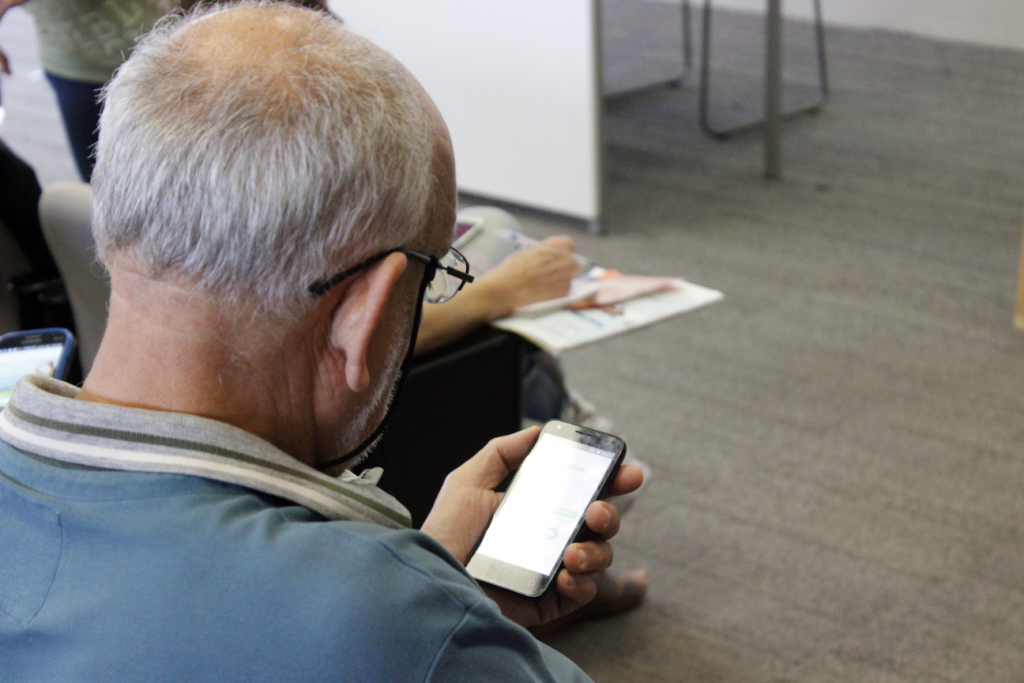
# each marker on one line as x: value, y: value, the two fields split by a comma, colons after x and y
x: 167, y: 347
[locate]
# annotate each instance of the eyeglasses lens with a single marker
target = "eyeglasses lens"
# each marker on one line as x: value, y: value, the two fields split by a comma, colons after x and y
x: 445, y: 285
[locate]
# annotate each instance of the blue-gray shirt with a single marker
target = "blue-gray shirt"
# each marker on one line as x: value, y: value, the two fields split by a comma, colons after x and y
x: 110, y: 575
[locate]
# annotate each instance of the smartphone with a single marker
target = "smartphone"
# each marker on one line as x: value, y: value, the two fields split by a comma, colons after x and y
x: 46, y: 352
x: 542, y: 512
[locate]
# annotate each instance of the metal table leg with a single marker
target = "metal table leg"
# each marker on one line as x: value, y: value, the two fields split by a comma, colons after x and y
x: 705, y: 73
x: 676, y: 81
x: 773, y: 92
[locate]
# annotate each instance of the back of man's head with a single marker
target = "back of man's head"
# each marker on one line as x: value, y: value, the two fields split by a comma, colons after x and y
x: 255, y: 149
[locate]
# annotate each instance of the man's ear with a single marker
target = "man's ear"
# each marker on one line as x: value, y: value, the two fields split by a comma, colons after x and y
x: 359, y: 313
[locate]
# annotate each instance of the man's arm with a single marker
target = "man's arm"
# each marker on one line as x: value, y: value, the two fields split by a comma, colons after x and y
x: 537, y: 273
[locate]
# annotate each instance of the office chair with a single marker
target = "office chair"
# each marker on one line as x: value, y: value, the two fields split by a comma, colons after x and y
x: 455, y: 400
x: 705, y: 77
x: 64, y: 211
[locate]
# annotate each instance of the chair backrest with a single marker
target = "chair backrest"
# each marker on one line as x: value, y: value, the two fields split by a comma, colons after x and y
x: 64, y: 211
x: 456, y: 400
x: 12, y: 262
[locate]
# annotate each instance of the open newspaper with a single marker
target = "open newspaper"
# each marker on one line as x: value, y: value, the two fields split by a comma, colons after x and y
x: 601, y: 303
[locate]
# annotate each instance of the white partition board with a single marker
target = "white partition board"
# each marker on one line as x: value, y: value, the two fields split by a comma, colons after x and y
x: 517, y: 84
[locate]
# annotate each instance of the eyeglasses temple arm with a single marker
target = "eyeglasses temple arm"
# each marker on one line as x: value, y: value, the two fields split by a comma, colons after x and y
x: 465, y: 277
x: 431, y: 261
x: 318, y: 289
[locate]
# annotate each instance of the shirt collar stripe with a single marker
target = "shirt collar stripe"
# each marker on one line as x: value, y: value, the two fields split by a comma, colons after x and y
x: 186, y: 445
x: 159, y: 462
x: 45, y: 408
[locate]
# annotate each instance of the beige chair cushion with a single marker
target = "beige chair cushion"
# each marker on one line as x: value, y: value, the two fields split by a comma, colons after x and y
x: 64, y: 211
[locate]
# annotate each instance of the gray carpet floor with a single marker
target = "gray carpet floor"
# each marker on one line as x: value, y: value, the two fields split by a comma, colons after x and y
x: 837, y: 446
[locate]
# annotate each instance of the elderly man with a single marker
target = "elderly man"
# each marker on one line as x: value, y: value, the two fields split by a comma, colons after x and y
x: 274, y: 199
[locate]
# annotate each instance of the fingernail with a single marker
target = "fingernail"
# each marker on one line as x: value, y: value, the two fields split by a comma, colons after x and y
x: 582, y: 556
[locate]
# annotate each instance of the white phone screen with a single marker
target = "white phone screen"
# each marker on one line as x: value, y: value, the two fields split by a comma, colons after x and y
x: 555, y: 484
x: 24, y: 360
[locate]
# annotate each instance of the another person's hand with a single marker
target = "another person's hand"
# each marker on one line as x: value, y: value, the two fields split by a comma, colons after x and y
x: 537, y: 273
x: 465, y: 505
x: 543, y: 271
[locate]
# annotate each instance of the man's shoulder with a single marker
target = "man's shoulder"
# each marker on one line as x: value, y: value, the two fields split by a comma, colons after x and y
x: 408, y: 561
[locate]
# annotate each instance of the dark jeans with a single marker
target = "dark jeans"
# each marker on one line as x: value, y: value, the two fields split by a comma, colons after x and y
x: 19, y: 210
x: 80, y: 109
x: 544, y: 392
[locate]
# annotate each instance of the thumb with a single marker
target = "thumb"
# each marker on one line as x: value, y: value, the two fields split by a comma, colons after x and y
x: 502, y: 455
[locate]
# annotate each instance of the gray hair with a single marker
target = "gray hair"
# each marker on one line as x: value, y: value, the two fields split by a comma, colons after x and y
x: 253, y: 179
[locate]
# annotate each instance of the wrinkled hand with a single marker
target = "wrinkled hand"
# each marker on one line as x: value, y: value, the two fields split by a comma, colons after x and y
x: 537, y: 273
x: 465, y: 505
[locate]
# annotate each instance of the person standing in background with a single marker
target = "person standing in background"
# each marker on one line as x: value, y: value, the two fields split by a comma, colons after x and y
x: 81, y: 44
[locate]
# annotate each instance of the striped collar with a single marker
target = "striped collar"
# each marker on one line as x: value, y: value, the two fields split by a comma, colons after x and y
x: 43, y: 419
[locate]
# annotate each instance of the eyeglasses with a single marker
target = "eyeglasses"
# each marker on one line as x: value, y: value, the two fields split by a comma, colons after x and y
x: 443, y: 277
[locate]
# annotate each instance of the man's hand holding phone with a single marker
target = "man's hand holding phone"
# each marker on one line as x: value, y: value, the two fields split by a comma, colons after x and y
x: 467, y: 501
